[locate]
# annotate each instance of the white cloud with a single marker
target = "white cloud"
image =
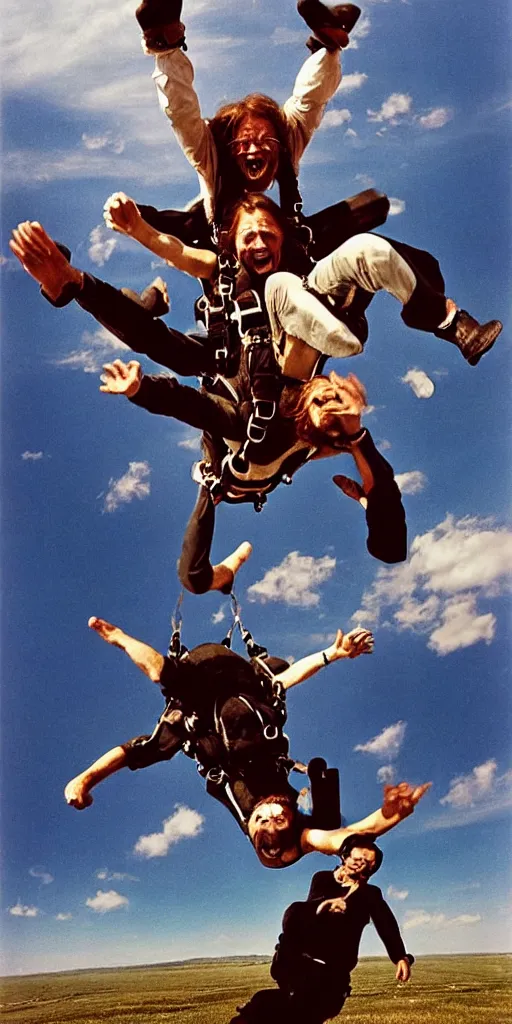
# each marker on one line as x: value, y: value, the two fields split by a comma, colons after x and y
x: 365, y: 180
x: 20, y: 910
x: 219, y: 616
x: 192, y: 443
x: 396, y: 206
x: 101, y: 246
x: 106, y: 900
x: 349, y: 83
x: 351, y: 134
x: 185, y: 823
x: 360, y: 31
x: 333, y: 118
x: 397, y: 894
x: 105, y: 875
x: 436, y: 118
x: 44, y: 876
x: 32, y: 456
x: 283, y: 36
x: 95, y: 142
x: 133, y: 484
x: 63, y: 917
x: 386, y: 774
x: 420, y: 918
x: 419, y: 382
x: 387, y: 743
x: 450, y: 568
x: 412, y: 482
x: 393, y: 110
x: 294, y: 580
x: 461, y: 625
x: 97, y: 348
x: 467, y: 790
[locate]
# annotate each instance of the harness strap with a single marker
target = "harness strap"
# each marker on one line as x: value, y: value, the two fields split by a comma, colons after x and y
x: 176, y: 649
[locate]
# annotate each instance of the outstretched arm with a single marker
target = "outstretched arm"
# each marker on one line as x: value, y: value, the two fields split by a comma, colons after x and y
x: 316, y: 83
x: 122, y: 214
x: 345, y: 645
x: 399, y: 802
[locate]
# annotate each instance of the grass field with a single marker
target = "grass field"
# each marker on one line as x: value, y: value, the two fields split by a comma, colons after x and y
x: 444, y: 990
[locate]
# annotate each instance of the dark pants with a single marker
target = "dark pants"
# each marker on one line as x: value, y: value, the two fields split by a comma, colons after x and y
x: 277, y: 1006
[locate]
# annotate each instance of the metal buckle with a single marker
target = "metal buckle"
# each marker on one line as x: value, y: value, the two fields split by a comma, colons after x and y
x: 264, y: 409
x: 255, y: 432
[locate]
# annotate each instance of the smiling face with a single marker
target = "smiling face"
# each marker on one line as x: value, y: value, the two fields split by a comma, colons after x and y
x: 272, y: 833
x: 255, y: 150
x: 258, y: 242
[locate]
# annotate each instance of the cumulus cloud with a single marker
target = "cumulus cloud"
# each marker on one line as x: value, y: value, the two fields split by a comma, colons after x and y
x: 349, y: 83
x: 106, y: 900
x: 450, y: 568
x: 365, y: 180
x: 393, y: 110
x: 294, y: 581
x: 386, y: 774
x: 412, y: 482
x: 104, y: 875
x: 101, y: 245
x: 63, y: 917
x: 96, y: 347
x: 467, y: 790
x: 219, y: 616
x: 351, y: 134
x: 397, y: 894
x: 44, y: 876
x: 360, y: 31
x: 21, y: 910
x: 387, y: 743
x: 436, y: 118
x: 106, y: 141
x: 396, y: 206
x: 420, y: 918
x: 191, y: 443
x: 419, y: 382
x: 333, y: 118
x: 32, y: 456
x: 133, y: 484
x: 185, y: 823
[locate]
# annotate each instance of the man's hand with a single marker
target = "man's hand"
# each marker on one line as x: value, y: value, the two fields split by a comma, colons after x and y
x: 40, y: 257
x: 402, y: 799
x: 350, y: 645
x: 352, y: 397
x: 120, y: 378
x: 335, y: 906
x: 121, y: 213
x: 403, y: 970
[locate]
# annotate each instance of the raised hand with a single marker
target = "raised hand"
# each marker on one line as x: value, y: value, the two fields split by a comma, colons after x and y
x: 121, y: 213
x: 351, y: 645
x: 40, y: 257
x: 120, y: 378
x: 402, y: 799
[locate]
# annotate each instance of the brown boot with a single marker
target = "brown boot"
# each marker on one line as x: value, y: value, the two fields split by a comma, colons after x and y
x: 161, y: 26
x: 470, y: 337
x: 331, y: 25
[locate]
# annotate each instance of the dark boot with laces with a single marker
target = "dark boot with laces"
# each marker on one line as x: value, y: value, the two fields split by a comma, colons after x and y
x: 470, y: 337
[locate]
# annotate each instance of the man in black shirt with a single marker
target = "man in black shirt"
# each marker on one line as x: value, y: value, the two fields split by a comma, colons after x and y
x: 319, y: 944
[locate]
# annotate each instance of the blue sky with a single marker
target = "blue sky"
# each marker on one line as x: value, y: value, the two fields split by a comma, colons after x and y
x: 97, y: 494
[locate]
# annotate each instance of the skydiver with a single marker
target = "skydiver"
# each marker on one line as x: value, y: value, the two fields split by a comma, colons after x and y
x: 228, y: 714
x: 319, y: 944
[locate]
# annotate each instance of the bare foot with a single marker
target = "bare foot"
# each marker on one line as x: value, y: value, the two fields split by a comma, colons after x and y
x: 77, y: 793
x: 351, y: 488
x: 41, y: 258
x: 112, y: 634
x: 224, y: 573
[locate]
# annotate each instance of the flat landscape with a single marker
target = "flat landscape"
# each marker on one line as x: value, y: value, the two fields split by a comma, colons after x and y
x: 447, y: 989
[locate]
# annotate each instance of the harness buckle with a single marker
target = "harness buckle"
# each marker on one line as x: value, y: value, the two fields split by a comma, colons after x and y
x: 264, y: 409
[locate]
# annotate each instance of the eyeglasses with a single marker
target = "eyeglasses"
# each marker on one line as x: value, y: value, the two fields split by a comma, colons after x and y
x: 239, y: 146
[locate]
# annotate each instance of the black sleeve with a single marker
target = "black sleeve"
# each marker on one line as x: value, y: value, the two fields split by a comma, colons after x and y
x: 321, y: 886
x: 387, y: 926
x: 165, y: 396
x: 385, y: 515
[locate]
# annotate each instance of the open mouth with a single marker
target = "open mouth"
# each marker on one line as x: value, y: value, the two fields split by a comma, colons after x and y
x: 261, y: 261
x: 254, y: 166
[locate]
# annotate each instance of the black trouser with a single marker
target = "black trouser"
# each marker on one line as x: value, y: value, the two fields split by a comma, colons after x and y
x: 142, y: 332
x: 276, y: 1006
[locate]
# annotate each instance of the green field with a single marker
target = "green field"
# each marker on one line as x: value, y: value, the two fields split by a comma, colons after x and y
x: 445, y: 990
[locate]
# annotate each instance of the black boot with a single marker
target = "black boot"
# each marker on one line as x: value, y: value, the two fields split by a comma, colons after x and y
x: 470, y: 337
x: 161, y: 26
x: 318, y: 17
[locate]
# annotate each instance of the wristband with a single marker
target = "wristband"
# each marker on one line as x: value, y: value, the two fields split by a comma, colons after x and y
x: 326, y: 659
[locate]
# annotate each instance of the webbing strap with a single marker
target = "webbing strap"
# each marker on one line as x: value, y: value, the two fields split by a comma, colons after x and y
x: 176, y: 649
